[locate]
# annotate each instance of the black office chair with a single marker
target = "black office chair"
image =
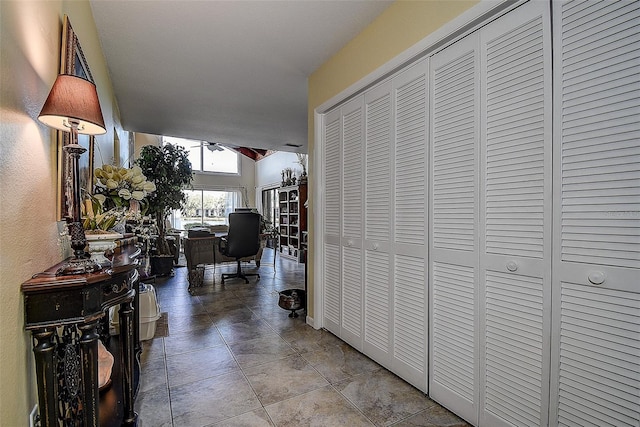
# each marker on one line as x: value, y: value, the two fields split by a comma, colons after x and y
x: 243, y: 240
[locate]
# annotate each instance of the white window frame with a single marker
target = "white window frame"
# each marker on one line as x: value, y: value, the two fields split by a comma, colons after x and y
x: 199, y: 169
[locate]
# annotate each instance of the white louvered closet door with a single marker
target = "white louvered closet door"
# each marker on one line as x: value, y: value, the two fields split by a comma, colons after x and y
x: 455, y: 94
x: 378, y: 283
x: 352, y: 201
x: 515, y: 255
x: 410, y: 225
x: 331, y: 216
x: 596, y: 277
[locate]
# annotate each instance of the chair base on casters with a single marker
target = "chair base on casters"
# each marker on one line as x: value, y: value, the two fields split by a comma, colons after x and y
x: 238, y: 274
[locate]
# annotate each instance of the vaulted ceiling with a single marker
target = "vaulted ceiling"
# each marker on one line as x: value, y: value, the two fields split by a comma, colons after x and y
x: 233, y: 72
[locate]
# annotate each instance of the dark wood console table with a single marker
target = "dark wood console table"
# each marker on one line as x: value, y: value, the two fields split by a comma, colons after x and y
x: 65, y: 315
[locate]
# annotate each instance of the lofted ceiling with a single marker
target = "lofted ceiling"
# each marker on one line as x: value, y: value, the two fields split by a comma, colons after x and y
x: 233, y: 72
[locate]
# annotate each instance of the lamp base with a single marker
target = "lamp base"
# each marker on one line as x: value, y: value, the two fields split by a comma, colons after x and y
x: 78, y: 266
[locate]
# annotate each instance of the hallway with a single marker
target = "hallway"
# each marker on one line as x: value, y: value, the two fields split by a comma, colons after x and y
x: 230, y: 356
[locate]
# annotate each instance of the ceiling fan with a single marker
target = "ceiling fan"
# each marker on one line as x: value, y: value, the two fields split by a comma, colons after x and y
x: 211, y: 146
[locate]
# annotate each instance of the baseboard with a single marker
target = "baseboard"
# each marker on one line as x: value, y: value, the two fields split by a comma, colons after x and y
x: 311, y: 322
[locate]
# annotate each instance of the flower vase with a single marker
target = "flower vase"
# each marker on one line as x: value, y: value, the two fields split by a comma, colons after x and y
x: 99, y: 243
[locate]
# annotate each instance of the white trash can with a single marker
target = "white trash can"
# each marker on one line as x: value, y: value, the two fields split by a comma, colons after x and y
x: 149, y: 313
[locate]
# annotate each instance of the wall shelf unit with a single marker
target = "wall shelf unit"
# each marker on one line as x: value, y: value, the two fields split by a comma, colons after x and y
x: 292, y: 220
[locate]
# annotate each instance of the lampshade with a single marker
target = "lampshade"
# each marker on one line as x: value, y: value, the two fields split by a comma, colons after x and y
x: 73, y: 98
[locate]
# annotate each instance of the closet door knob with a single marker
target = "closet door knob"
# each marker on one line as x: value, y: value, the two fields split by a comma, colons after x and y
x: 375, y: 246
x: 597, y: 277
x: 512, y: 266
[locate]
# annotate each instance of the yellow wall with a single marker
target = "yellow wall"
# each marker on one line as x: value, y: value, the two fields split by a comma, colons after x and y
x: 398, y: 28
x: 30, y: 38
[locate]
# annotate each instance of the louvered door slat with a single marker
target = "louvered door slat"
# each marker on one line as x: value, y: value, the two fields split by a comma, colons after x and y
x: 410, y: 300
x: 453, y: 243
x: 518, y: 51
x: 601, y: 347
x: 332, y: 194
x: 376, y: 296
x: 454, y: 124
x: 453, y: 324
x: 352, y: 171
x: 378, y: 149
x: 352, y: 203
x: 352, y: 298
x: 598, y: 43
x: 513, y: 348
x: 332, y: 301
x: 378, y: 168
x: 596, y: 350
x: 411, y: 159
x: 516, y: 215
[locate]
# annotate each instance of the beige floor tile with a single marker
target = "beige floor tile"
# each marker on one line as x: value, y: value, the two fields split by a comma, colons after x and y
x: 434, y: 416
x: 153, y: 374
x: 218, y: 295
x: 189, y: 323
x: 152, y: 349
x: 153, y: 408
x: 322, y: 407
x: 339, y: 362
x: 188, y: 367
x: 218, y: 305
x: 282, y: 379
x: 251, y: 329
x: 260, y: 350
x: 383, y: 397
x: 257, y: 418
x: 308, y: 340
x: 229, y: 347
x: 187, y: 341
x: 212, y: 400
x: 235, y: 315
x: 282, y: 323
x: 185, y: 310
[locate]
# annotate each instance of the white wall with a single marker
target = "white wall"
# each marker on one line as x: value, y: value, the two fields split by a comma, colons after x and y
x: 268, y: 169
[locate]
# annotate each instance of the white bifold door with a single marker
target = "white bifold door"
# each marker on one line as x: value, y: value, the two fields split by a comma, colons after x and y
x: 491, y: 247
x: 596, y: 278
x: 375, y: 224
x: 481, y: 218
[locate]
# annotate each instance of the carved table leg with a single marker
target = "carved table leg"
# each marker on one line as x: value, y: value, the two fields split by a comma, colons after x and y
x: 89, y: 361
x: 136, y: 321
x: 127, y: 358
x: 44, y: 353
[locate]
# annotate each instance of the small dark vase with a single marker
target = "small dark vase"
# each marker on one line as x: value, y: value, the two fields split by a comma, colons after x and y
x: 292, y: 299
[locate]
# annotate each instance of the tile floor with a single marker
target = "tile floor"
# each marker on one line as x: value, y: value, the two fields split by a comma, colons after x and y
x: 230, y: 356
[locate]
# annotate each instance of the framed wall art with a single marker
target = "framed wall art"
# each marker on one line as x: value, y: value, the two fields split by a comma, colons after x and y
x: 73, y: 62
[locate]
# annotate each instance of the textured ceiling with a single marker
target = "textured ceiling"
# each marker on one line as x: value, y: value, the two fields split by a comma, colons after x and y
x: 233, y: 72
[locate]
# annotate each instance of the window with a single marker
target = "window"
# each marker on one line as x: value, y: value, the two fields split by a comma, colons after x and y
x: 270, y: 206
x: 206, y: 207
x: 208, y: 157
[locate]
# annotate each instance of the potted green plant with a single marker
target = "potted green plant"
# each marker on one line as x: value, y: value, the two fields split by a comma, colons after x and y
x: 170, y: 169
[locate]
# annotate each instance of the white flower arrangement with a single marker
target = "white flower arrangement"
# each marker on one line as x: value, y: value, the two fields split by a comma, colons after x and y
x: 118, y: 195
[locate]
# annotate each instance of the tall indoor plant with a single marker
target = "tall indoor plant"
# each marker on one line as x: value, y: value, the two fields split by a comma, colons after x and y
x: 170, y: 169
